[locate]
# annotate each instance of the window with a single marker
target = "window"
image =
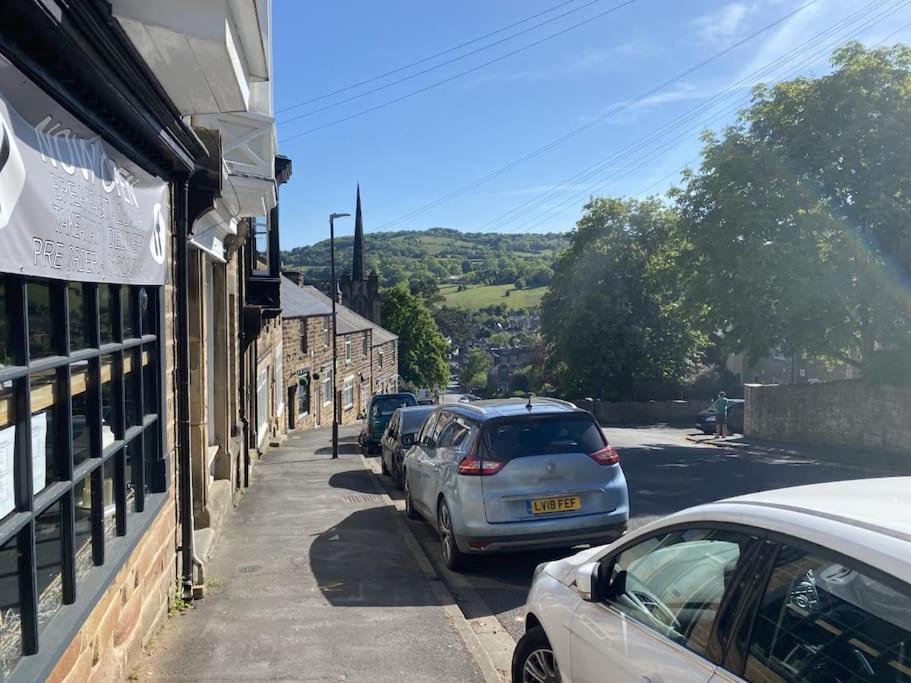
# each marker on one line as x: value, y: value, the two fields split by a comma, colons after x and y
x: 381, y: 359
x: 428, y: 427
x: 531, y: 435
x: 260, y: 244
x: 326, y: 331
x: 455, y: 434
x: 393, y: 427
x: 278, y: 380
x: 348, y: 393
x: 347, y: 349
x: 366, y: 348
x: 821, y: 620
x: 303, y: 393
x: 91, y: 436
x: 262, y: 402
x: 304, y: 336
x: 326, y: 375
x: 674, y: 583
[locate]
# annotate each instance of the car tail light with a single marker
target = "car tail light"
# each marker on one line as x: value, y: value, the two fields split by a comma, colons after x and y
x: 472, y: 465
x: 606, y: 456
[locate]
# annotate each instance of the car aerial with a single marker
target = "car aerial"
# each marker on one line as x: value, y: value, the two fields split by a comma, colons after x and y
x: 811, y: 583
x: 399, y: 436
x: 376, y: 417
x: 502, y: 475
x: 705, y: 420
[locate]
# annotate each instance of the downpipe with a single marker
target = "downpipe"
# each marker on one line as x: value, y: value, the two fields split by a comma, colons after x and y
x: 189, y: 560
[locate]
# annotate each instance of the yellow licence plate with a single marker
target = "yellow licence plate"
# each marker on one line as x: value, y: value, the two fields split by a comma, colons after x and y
x: 545, y: 506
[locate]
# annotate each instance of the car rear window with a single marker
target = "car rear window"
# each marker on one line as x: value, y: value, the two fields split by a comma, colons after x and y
x: 413, y: 420
x: 519, y: 437
x: 389, y: 404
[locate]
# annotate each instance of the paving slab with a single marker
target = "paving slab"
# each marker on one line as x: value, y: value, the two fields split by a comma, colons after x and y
x: 311, y: 580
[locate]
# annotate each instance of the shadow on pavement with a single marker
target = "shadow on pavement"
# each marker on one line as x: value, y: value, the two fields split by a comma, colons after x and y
x: 353, y: 480
x: 663, y: 480
x: 363, y: 562
x: 343, y: 449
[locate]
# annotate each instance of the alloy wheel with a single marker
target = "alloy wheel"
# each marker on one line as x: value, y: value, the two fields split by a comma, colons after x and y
x: 540, y: 667
x: 446, y: 532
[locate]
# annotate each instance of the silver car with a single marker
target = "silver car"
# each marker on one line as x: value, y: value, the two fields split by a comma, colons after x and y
x: 502, y: 475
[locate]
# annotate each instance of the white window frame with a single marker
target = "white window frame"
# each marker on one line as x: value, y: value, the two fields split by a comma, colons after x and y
x: 348, y: 349
x: 278, y: 370
x: 348, y: 393
x: 326, y: 384
x: 262, y: 402
x: 326, y: 330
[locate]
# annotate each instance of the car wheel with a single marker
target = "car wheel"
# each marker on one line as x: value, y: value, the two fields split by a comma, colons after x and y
x: 410, y: 512
x: 534, y: 660
x: 383, y: 464
x: 452, y: 556
x: 398, y: 471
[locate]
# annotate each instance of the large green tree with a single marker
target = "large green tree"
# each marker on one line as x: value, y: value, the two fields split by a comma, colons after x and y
x: 422, y: 349
x: 798, y: 217
x: 473, y: 372
x: 613, y: 320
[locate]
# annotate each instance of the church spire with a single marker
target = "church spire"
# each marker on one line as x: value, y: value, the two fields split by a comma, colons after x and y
x: 357, y: 269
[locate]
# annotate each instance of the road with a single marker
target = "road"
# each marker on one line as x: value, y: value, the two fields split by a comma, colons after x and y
x: 665, y: 473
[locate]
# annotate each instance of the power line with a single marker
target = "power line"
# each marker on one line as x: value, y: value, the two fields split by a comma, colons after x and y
x: 428, y: 69
x: 431, y: 86
x: 615, y: 110
x: 592, y: 170
x: 426, y: 59
x: 531, y: 224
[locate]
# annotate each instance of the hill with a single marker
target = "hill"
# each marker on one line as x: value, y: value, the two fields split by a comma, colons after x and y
x: 476, y: 297
x: 442, y: 255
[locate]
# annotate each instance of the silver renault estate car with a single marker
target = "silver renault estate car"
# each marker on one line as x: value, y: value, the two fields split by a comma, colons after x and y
x: 515, y: 474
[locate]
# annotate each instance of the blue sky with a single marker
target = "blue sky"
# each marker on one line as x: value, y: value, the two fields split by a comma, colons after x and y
x: 600, y: 79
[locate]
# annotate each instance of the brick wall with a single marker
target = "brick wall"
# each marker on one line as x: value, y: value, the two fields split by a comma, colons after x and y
x: 847, y: 414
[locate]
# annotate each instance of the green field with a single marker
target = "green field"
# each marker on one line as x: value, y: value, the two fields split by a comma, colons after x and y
x: 490, y: 295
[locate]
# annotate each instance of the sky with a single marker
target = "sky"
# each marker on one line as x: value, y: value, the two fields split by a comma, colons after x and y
x: 578, y: 97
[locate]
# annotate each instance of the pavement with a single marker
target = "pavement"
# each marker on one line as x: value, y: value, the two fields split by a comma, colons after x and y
x: 313, y: 579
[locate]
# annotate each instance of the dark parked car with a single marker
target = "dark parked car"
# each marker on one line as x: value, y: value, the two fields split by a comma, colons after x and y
x: 705, y: 421
x: 376, y: 417
x: 400, y: 436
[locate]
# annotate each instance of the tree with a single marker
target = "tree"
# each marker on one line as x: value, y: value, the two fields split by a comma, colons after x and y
x: 422, y: 349
x: 520, y: 283
x: 473, y: 373
x: 612, y: 319
x: 797, y: 218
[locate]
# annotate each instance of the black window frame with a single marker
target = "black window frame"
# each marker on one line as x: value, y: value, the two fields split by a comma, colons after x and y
x: 109, y: 547
x: 303, y: 334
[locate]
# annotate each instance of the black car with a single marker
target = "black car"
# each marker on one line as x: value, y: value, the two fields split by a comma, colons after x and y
x: 705, y: 421
x: 399, y: 437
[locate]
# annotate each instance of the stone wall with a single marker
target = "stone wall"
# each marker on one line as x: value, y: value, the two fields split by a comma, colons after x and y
x: 318, y: 354
x: 357, y: 371
x: 385, y: 373
x: 643, y: 412
x: 846, y: 414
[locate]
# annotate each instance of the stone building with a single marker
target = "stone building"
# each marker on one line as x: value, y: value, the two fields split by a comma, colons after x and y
x: 367, y: 359
x: 361, y: 293
x: 140, y: 329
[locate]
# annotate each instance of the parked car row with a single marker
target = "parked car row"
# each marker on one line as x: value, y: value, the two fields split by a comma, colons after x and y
x: 810, y: 583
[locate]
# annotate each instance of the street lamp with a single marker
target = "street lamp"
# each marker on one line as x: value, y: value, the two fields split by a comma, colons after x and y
x: 334, y: 289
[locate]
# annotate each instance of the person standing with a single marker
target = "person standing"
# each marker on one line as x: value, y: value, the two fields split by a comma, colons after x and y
x: 721, y: 415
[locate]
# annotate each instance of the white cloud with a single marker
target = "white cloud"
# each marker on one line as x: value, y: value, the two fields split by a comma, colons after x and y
x: 723, y: 24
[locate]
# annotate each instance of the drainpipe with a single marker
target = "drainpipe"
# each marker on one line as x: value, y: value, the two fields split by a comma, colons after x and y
x: 242, y: 383
x: 189, y: 560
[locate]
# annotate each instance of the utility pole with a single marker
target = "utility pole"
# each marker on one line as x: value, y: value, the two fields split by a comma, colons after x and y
x: 334, y: 288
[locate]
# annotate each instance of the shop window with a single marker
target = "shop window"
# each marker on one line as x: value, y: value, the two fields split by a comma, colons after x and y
x: 92, y: 449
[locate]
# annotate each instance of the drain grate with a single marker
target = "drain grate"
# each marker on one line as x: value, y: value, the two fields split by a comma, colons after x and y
x: 363, y: 498
x: 249, y: 569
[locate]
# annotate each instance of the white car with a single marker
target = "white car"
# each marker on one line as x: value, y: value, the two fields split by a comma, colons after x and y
x: 811, y: 583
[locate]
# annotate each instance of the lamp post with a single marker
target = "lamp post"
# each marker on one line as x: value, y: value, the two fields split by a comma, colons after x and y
x: 334, y: 289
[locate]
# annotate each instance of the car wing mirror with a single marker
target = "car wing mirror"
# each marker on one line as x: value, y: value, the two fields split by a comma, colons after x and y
x: 617, y: 587
x: 589, y: 582
x: 408, y: 439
